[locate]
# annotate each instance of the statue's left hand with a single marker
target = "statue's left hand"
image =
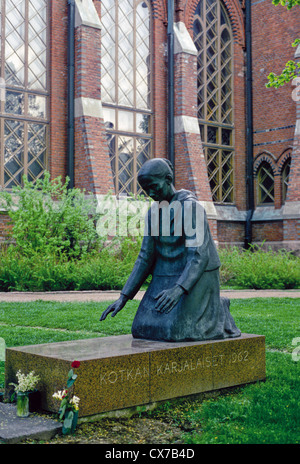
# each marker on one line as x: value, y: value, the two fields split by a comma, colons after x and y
x: 167, y: 299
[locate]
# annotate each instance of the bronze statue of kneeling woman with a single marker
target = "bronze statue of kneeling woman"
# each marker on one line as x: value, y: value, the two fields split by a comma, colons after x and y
x: 183, y: 299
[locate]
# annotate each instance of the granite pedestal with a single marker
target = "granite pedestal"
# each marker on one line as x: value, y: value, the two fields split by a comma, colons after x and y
x: 121, y: 372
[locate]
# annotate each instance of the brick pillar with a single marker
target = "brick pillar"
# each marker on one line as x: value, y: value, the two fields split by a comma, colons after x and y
x: 92, y: 167
x: 190, y: 164
x: 58, y: 85
x: 291, y: 210
x: 277, y: 191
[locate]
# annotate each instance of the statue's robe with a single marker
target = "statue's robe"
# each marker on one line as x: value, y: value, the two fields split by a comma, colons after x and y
x: 190, y: 261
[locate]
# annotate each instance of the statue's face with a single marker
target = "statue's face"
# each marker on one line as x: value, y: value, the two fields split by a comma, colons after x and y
x: 156, y: 188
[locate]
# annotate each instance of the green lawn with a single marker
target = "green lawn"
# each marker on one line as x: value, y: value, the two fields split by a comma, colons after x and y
x: 265, y: 412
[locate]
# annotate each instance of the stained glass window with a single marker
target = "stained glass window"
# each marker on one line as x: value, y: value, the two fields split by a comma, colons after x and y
x: 213, y: 40
x: 126, y: 88
x: 24, y: 90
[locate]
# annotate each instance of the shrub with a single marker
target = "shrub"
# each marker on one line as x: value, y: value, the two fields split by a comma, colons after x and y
x: 107, y: 269
x: 48, y: 218
x: 259, y: 269
x: 56, y: 245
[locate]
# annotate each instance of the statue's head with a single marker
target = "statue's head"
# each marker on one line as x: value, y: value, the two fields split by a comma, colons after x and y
x: 156, y: 177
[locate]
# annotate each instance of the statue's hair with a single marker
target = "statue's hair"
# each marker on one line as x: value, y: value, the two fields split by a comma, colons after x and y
x: 158, y: 167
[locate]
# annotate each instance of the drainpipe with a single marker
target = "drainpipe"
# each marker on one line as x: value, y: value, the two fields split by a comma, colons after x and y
x: 249, y: 130
x: 170, y: 32
x: 71, y: 69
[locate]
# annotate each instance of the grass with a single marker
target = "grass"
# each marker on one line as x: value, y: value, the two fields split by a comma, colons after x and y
x: 264, y: 412
x: 261, y: 413
x: 275, y: 318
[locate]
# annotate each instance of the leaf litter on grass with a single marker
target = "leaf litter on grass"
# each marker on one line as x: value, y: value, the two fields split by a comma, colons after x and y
x: 121, y: 431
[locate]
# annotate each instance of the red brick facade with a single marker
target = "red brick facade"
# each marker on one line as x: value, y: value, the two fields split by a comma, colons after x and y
x: 276, y: 133
x: 276, y: 136
x: 91, y: 159
x: 58, y: 85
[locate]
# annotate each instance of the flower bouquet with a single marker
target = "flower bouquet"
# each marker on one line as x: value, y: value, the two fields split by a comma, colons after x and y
x: 69, y: 406
x: 26, y: 384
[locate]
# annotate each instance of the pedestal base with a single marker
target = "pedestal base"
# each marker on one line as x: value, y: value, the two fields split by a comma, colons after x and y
x: 120, y: 371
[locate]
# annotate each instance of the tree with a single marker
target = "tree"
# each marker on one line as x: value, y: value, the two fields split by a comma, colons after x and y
x: 291, y: 69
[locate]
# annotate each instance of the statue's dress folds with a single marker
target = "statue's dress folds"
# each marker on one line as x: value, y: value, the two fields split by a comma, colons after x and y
x: 200, y: 313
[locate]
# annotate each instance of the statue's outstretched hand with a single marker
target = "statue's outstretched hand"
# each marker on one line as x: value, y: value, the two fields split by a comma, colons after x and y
x: 114, y: 308
x: 167, y: 299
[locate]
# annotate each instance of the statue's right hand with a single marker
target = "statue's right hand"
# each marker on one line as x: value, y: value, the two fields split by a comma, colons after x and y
x: 114, y: 308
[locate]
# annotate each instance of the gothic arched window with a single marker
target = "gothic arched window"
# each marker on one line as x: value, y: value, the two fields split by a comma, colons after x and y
x: 265, y: 183
x: 126, y: 88
x: 24, y: 90
x: 213, y: 40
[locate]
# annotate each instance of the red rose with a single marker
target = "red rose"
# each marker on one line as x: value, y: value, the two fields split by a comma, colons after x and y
x: 75, y: 364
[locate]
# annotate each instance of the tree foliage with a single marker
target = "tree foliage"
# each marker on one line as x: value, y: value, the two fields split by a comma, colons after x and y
x: 287, y: 3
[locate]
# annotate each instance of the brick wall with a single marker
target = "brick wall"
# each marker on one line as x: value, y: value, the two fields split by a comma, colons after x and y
x: 273, y: 31
x: 291, y: 229
x: 58, y: 87
x: 231, y: 233
x: 268, y: 231
x: 274, y: 111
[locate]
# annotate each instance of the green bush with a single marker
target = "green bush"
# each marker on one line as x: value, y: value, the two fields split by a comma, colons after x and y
x: 257, y: 268
x: 48, y: 218
x: 56, y: 243
x: 107, y: 269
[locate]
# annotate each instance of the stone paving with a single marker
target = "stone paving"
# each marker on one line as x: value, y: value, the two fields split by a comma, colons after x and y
x: 111, y: 295
x: 14, y: 429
